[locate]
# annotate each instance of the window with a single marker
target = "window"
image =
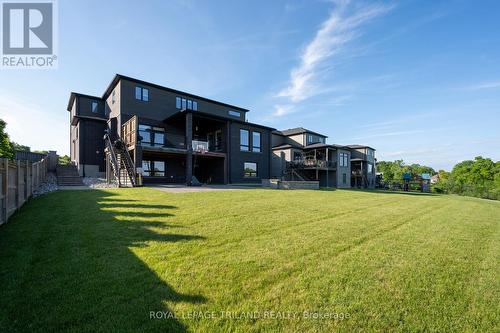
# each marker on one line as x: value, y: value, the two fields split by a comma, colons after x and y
x: 344, y: 178
x: 297, y: 156
x: 309, y: 138
x: 113, y: 99
x: 370, y: 168
x: 142, y: 94
x: 146, y: 167
x: 145, y: 132
x: 234, y: 113
x: 344, y: 159
x: 152, y: 136
x: 158, y: 168
x: 250, y: 170
x: 244, y: 145
x: 256, y: 142
x: 94, y: 107
x: 186, y: 104
x: 159, y: 136
x: 153, y: 168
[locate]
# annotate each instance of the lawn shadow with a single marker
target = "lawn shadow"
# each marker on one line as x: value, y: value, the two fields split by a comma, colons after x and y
x: 86, y: 275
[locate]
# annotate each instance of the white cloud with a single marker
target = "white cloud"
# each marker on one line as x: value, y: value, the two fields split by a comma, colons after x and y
x: 341, y: 27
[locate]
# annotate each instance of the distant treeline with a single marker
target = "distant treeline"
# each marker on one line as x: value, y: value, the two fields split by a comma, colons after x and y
x: 478, y: 178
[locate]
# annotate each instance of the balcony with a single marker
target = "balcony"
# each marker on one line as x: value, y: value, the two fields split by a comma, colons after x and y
x: 200, y: 146
x: 313, y: 164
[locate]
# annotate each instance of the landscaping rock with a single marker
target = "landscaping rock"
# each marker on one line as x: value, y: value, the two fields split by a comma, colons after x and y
x: 98, y: 183
x: 50, y: 185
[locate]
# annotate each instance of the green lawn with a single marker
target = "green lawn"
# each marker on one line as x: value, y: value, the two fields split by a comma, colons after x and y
x: 102, y: 261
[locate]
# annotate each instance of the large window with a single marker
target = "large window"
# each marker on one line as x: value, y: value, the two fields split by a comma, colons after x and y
x: 314, y: 139
x: 344, y: 159
x: 153, y: 168
x: 93, y: 107
x: 370, y: 168
x: 142, y: 94
x: 250, y: 170
x: 152, y: 136
x: 183, y: 103
x: 256, y: 142
x: 244, y: 140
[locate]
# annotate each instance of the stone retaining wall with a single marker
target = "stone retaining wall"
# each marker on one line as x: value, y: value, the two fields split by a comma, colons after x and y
x: 290, y: 185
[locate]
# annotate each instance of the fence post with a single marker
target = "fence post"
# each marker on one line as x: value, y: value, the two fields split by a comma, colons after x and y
x: 5, y: 189
x: 18, y: 184
x: 26, y: 176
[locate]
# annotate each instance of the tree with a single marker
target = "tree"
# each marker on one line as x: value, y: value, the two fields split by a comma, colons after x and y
x: 6, y: 149
x: 64, y: 160
x: 478, y: 178
x: 18, y: 147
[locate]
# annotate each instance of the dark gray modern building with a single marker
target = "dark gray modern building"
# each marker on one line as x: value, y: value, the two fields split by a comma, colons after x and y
x: 170, y: 136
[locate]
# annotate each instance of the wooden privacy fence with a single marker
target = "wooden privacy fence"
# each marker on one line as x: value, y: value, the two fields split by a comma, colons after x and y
x: 18, y: 180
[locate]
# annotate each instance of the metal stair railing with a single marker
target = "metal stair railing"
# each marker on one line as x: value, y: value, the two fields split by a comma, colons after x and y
x: 114, y: 160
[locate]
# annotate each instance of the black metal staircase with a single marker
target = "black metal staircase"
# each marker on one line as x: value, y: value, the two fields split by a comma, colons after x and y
x: 121, y: 163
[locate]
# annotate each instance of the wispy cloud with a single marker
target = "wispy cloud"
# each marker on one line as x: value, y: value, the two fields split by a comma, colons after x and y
x: 341, y: 27
x: 485, y: 85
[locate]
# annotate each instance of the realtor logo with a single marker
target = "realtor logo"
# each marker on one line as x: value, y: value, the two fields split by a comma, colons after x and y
x: 28, y: 31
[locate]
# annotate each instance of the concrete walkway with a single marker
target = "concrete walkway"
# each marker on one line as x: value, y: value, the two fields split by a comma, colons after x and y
x: 176, y: 188
x: 79, y: 187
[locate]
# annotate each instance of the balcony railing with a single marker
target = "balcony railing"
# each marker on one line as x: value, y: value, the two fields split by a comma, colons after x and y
x: 313, y: 163
x: 200, y: 146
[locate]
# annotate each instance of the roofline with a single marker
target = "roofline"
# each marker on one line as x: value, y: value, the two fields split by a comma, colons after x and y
x: 73, y: 95
x: 118, y: 77
x: 221, y: 118
x: 326, y: 145
x: 360, y: 147
x: 302, y: 132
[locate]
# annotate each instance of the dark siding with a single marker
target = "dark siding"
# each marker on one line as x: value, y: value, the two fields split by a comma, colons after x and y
x: 84, y: 107
x: 91, y: 142
x: 161, y: 104
x: 238, y: 158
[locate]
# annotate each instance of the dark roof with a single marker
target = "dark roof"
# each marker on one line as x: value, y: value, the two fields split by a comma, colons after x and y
x: 210, y: 115
x: 288, y: 145
x: 299, y: 130
x: 359, y: 147
x: 324, y: 145
x: 74, y: 95
x: 278, y: 132
x: 118, y: 77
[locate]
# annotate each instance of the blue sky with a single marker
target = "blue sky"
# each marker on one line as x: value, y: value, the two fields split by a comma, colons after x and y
x: 417, y: 80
